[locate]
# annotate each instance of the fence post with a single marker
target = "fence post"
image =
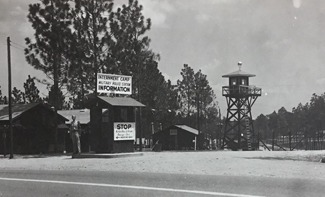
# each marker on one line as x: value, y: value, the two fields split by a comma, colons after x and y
x: 272, y: 139
x: 290, y: 139
x: 306, y: 139
x: 258, y: 140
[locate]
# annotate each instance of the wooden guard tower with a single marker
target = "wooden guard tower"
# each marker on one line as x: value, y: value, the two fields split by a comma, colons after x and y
x: 239, y: 131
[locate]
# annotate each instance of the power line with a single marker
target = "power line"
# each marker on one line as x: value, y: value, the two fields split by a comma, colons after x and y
x: 17, y: 48
x: 18, y: 44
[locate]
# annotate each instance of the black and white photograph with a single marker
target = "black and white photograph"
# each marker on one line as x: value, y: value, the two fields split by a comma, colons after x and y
x: 143, y: 98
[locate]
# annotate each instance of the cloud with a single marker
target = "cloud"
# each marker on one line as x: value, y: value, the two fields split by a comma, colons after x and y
x: 195, y: 5
x: 297, y: 3
x: 275, y: 43
x: 11, y: 15
x: 17, y: 11
x: 25, y: 28
x: 157, y: 11
x: 173, y: 80
x: 201, y: 18
x: 320, y: 81
x: 4, y: 27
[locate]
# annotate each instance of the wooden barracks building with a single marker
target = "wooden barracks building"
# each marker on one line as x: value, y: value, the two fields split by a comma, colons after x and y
x: 33, y: 129
x: 176, y: 137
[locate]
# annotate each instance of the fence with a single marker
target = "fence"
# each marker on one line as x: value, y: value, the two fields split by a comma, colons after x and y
x: 297, y: 141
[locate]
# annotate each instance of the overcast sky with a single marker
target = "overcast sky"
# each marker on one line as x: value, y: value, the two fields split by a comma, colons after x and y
x: 282, y: 42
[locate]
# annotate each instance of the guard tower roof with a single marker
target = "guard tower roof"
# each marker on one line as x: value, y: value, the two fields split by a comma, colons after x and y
x: 239, y: 73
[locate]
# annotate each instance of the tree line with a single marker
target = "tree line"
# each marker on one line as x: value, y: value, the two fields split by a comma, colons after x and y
x: 307, y: 119
x: 76, y: 39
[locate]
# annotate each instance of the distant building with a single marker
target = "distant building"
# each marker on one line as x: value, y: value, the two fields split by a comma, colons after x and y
x: 176, y: 137
x: 33, y: 129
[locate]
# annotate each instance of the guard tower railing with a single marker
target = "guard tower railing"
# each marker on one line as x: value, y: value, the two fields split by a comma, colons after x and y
x: 241, y: 90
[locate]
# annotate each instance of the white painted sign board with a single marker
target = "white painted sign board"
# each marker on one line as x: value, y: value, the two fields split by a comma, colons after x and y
x: 124, y: 131
x: 115, y: 84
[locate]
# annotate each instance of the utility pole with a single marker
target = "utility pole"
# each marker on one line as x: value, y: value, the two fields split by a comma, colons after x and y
x: 10, y: 103
x: 140, y: 114
x: 55, y: 79
x: 198, y: 119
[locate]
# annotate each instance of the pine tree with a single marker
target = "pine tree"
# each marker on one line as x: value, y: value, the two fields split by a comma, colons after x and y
x: 131, y: 52
x: 61, y: 102
x: 91, y: 44
x: 204, y: 96
x: 3, y: 99
x: 31, y: 91
x: 186, y: 91
x: 47, y: 51
x: 261, y: 125
x: 18, y: 97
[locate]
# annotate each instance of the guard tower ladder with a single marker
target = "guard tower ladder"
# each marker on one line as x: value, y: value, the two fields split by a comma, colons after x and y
x: 248, y: 132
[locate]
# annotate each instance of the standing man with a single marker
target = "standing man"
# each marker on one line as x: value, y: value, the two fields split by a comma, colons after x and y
x: 75, y: 135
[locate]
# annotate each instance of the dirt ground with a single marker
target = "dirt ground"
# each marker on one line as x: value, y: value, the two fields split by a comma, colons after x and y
x: 285, y: 164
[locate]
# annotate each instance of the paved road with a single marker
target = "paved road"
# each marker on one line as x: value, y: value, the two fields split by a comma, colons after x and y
x: 91, y: 183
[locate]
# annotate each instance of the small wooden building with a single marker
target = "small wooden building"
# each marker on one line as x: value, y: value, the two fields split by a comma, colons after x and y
x: 33, y: 129
x: 112, y: 124
x: 176, y: 137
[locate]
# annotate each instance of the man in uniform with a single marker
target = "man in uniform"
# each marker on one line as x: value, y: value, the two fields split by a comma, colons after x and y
x: 75, y: 135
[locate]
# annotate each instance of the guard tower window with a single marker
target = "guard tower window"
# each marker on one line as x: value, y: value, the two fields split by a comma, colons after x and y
x: 233, y: 81
x: 243, y: 81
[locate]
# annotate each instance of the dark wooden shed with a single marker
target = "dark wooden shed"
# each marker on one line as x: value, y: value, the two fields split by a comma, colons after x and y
x: 107, y: 115
x: 176, y: 137
x: 33, y: 129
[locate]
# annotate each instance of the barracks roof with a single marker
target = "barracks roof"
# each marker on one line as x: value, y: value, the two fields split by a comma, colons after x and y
x: 18, y: 110
x: 82, y: 115
x: 189, y: 129
x: 114, y: 101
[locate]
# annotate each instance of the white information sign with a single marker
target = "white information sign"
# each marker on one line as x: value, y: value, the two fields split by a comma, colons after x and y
x: 116, y: 84
x: 124, y: 131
